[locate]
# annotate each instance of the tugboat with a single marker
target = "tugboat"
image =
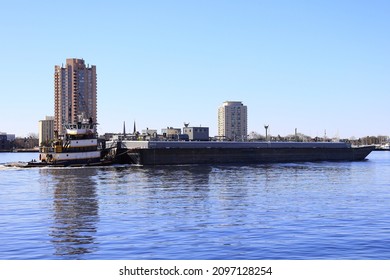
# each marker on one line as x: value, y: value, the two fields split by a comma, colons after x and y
x: 79, y: 146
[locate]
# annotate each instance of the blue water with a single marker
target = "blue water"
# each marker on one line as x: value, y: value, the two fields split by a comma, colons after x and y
x: 275, y: 211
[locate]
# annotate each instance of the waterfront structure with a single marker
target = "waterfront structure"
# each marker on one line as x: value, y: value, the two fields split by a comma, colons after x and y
x: 4, y: 143
x: 46, y: 130
x: 75, y: 93
x: 11, y: 137
x: 196, y: 133
x: 171, y: 133
x: 233, y: 121
x: 149, y: 132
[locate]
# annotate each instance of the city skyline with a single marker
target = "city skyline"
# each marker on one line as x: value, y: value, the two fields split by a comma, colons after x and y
x: 316, y: 67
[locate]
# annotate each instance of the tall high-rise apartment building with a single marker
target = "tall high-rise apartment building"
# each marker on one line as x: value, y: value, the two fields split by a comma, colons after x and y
x: 233, y: 121
x: 75, y: 93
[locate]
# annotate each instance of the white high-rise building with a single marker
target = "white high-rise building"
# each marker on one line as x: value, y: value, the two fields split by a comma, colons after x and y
x: 233, y: 121
x: 46, y: 130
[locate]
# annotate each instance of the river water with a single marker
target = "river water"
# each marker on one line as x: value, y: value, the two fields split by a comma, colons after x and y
x: 320, y: 210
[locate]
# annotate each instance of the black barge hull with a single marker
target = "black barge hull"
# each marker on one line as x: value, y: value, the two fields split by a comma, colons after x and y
x: 243, y: 155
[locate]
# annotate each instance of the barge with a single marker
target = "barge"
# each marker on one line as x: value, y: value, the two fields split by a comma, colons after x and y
x: 213, y: 152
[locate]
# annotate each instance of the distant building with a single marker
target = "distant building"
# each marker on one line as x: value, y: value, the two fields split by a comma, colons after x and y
x: 197, y: 133
x: 148, y: 131
x: 233, y: 121
x: 171, y: 133
x: 11, y: 137
x: 6, y: 141
x: 46, y: 130
x: 75, y: 93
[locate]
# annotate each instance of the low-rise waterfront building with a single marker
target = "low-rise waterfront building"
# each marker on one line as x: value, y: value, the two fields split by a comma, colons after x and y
x: 171, y: 133
x: 4, y: 143
x: 149, y: 132
x: 197, y: 133
x: 11, y: 137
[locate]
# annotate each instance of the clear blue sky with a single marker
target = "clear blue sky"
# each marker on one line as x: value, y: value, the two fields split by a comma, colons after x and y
x: 311, y: 65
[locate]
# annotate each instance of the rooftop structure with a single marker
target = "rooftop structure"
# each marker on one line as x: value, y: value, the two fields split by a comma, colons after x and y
x: 196, y: 133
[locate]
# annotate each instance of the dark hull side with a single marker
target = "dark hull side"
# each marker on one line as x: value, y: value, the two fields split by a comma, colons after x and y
x: 242, y: 155
x: 64, y: 163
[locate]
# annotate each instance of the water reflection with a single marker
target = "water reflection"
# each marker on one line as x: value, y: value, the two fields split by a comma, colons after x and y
x: 176, y: 179
x: 75, y: 211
